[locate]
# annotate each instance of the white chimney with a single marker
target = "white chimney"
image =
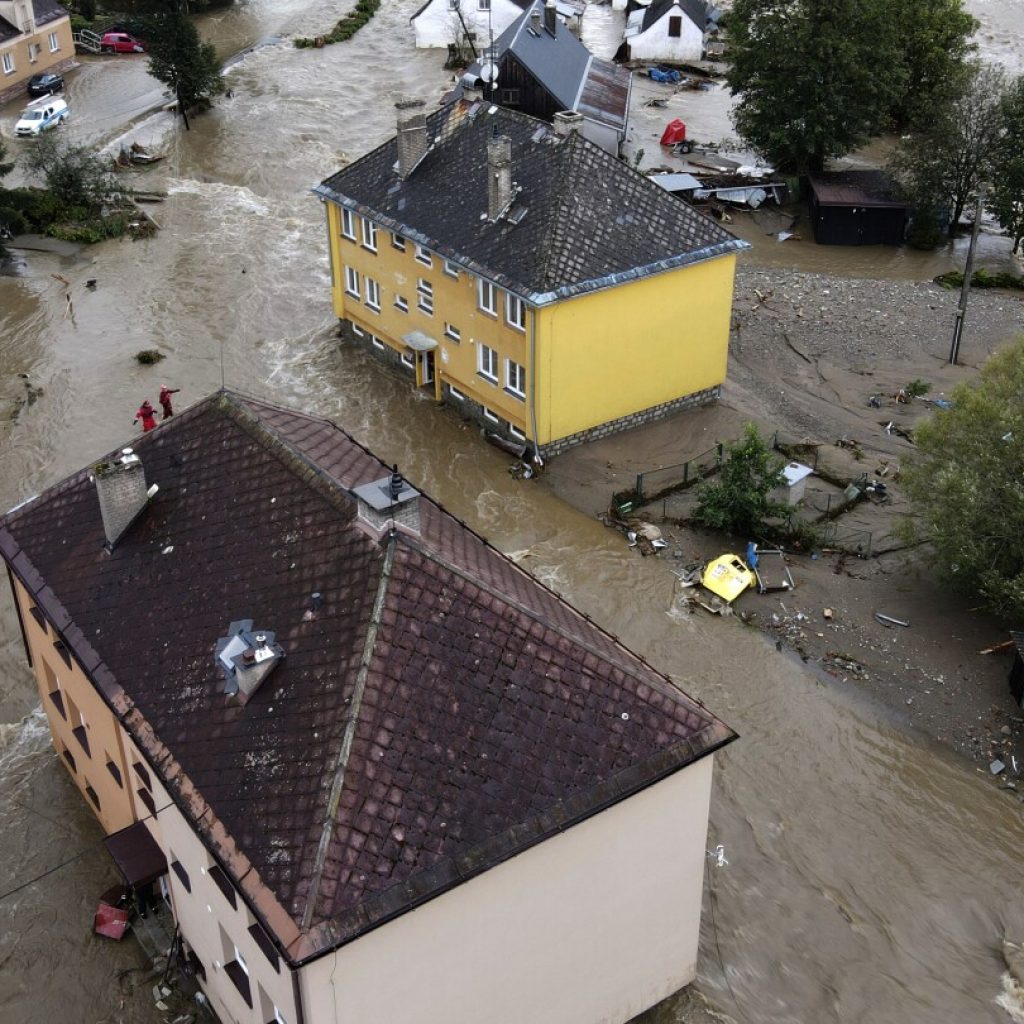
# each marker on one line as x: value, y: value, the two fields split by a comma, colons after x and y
x: 388, y: 502
x: 412, y: 135
x: 499, y: 175
x: 121, y: 489
x: 566, y: 122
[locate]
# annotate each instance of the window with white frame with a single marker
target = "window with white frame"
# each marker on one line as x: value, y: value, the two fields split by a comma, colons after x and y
x: 515, y: 378
x: 453, y: 5
x: 492, y: 416
x: 358, y: 331
x: 487, y: 363
x: 54, y: 42
x: 376, y: 342
x: 8, y: 63
x: 456, y: 393
x: 516, y: 432
x: 401, y: 304
x: 407, y: 360
x: 425, y: 296
x: 483, y: 5
x: 348, y: 224
x: 487, y: 297
x: 352, y: 282
x: 398, y: 242
x: 369, y: 235
x: 515, y: 311
x: 422, y: 256
x: 373, y: 295
x: 33, y: 52
x: 452, y: 333
x: 451, y: 270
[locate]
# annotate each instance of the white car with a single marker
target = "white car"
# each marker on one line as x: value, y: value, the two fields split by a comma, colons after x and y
x: 44, y: 113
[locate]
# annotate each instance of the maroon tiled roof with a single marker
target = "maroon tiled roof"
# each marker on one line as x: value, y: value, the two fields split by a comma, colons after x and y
x: 440, y: 713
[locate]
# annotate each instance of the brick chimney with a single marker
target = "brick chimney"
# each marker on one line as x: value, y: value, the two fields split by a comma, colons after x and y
x: 389, y: 501
x: 566, y: 122
x: 499, y: 175
x: 412, y: 135
x: 550, y: 17
x: 121, y: 488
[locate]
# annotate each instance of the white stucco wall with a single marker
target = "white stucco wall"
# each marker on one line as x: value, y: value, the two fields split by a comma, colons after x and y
x: 656, y: 44
x: 435, y: 25
x: 590, y: 927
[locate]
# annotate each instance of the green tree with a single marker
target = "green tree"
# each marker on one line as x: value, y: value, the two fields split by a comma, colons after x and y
x: 934, y: 42
x: 941, y: 165
x: 177, y: 58
x: 76, y: 179
x: 1006, y: 198
x: 967, y: 484
x: 736, y: 500
x: 814, y: 79
x: 7, y: 226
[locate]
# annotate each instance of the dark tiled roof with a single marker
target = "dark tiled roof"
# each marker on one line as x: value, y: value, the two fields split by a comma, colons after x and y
x: 695, y: 10
x: 442, y: 711
x: 8, y: 31
x: 856, y: 188
x: 48, y: 10
x: 591, y: 221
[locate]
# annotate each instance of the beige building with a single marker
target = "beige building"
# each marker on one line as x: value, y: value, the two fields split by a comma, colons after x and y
x: 379, y: 771
x: 35, y: 36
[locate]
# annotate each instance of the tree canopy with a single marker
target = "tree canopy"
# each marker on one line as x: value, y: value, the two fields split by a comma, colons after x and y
x: 815, y: 79
x: 1006, y: 199
x: 177, y: 58
x: 967, y: 484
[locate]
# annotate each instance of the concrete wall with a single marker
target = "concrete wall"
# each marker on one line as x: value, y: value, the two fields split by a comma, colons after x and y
x: 606, y: 355
x: 656, y: 44
x: 437, y: 25
x: 590, y: 927
x: 69, y: 700
x: 32, y: 55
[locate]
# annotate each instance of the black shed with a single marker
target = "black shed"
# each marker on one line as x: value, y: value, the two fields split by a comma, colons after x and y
x: 856, y: 208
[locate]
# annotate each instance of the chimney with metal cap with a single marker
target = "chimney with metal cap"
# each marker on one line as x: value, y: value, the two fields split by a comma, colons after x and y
x: 566, y: 122
x: 499, y: 175
x: 550, y: 17
x: 121, y: 489
x: 412, y: 135
x: 389, y: 502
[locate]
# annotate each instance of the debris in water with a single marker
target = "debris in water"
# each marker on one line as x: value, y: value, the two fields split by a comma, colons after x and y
x: 888, y: 620
x: 996, y: 767
x: 149, y: 356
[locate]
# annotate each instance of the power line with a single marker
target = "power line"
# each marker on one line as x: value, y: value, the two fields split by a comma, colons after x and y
x: 71, y: 860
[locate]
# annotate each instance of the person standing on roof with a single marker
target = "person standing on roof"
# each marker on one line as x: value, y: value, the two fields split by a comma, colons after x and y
x: 165, y: 399
x: 147, y: 414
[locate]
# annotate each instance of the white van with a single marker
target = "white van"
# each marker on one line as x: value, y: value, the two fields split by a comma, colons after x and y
x: 47, y: 112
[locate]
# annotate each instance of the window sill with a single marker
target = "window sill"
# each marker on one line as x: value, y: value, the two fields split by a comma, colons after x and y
x: 368, y: 249
x: 352, y: 295
x: 488, y: 313
x: 490, y: 380
x: 515, y: 394
x: 425, y: 312
x: 372, y: 309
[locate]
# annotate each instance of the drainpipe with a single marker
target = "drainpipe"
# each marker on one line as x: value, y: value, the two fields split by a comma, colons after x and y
x: 533, y: 385
x: 300, y: 1016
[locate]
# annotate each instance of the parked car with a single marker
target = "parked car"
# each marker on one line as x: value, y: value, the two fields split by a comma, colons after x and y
x: 40, y: 115
x: 120, y: 42
x: 45, y: 84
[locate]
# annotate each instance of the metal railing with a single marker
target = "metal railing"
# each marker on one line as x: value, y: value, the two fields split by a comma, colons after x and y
x: 86, y: 40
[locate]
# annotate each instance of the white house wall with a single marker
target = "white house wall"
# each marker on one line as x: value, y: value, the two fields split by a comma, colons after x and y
x: 592, y: 926
x: 437, y: 25
x: 203, y: 912
x: 656, y: 44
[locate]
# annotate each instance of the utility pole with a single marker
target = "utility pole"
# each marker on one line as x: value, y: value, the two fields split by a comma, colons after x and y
x: 965, y: 288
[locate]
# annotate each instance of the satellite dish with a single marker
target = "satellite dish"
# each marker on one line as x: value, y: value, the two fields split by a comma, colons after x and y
x: 489, y: 73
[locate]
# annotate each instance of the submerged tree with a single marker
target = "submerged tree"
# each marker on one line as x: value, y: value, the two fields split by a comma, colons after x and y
x: 942, y: 165
x: 179, y: 59
x: 808, y: 79
x: 736, y: 500
x: 967, y: 484
x: 77, y: 180
x: 1006, y: 199
x: 10, y: 219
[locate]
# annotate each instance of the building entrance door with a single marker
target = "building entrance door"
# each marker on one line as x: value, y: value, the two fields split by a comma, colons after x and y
x: 426, y: 369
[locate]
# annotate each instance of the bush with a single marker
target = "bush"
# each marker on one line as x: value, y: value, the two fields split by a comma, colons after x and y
x: 345, y: 29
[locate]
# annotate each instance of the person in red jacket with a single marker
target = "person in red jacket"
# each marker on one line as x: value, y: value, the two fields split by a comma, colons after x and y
x: 165, y: 399
x: 147, y: 414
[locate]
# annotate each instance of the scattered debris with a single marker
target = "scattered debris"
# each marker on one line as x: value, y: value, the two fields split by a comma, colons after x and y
x: 828, y: 614
x: 997, y: 767
x: 888, y: 620
x: 1002, y: 648
x: 727, y: 577
x: 149, y: 356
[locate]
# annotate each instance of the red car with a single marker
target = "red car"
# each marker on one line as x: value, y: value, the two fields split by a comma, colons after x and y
x: 120, y: 42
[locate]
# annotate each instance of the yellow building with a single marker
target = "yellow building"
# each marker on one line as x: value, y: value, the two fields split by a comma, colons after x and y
x: 35, y: 36
x: 528, y: 277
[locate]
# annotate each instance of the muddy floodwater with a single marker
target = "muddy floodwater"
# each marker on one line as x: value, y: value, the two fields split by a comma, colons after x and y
x: 866, y: 875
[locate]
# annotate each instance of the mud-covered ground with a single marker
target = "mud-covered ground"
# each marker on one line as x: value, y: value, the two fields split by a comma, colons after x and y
x: 808, y: 353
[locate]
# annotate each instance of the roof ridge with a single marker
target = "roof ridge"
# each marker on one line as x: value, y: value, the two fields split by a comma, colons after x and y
x: 552, y: 234
x: 351, y: 721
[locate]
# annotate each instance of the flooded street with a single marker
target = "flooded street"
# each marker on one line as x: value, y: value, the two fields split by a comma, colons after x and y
x: 870, y: 876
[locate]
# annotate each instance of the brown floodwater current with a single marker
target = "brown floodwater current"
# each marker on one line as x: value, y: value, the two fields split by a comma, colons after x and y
x: 867, y: 874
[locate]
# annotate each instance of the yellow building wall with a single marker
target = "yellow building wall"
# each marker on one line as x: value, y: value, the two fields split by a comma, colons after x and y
x: 68, y: 697
x: 611, y: 353
x: 24, y: 66
x: 455, y: 302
